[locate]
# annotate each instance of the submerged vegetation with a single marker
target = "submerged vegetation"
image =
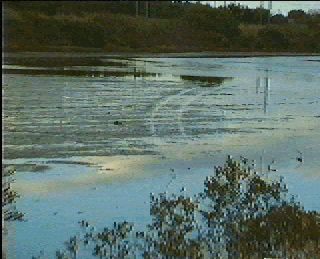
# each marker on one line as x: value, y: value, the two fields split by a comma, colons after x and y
x: 240, y: 214
x: 156, y: 26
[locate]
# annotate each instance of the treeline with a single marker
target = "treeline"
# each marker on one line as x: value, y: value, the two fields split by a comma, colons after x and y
x: 156, y: 26
x: 156, y: 9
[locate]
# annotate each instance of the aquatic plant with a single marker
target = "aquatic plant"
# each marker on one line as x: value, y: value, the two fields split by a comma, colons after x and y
x: 240, y: 214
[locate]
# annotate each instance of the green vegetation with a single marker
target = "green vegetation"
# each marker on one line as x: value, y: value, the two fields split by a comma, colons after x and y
x: 178, y: 26
x: 239, y: 215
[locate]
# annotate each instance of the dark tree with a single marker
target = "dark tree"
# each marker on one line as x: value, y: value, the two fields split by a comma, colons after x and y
x: 279, y: 19
x: 272, y: 39
x: 239, y: 215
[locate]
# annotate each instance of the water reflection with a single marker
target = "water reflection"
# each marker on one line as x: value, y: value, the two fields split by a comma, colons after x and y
x: 266, y: 92
x: 139, y: 114
x: 28, y: 167
x: 206, y: 81
x: 265, y: 83
x: 64, y: 62
x: 75, y: 72
x: 111, y: 115
x: 76, y: 67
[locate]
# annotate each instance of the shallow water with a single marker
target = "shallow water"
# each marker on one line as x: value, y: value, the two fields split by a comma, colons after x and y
x: 171, y: 113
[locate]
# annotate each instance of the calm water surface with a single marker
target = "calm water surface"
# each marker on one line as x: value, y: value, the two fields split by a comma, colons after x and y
x: 161, y: 113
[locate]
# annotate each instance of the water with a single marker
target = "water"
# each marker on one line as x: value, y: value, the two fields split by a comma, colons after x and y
x: 105, y: 142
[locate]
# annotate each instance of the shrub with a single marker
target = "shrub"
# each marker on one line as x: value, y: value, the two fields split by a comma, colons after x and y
x: 239, y: 215
x: 272, y: 39
x: 9, y: 212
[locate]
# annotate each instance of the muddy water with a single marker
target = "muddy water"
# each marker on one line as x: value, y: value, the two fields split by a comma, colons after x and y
x: 93, y: 138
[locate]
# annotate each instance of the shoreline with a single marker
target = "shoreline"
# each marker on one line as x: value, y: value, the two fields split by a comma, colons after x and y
x: 204, y: 54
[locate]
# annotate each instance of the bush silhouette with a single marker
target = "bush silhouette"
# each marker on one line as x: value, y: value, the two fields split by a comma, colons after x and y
x: 239, y: 215
x: 272, y: 39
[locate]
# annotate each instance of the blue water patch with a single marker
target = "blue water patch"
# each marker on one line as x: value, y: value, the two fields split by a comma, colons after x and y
x: 268, y: 103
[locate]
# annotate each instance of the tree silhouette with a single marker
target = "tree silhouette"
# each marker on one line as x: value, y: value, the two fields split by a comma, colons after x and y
x: 239, y: 215
x: 9, y: 210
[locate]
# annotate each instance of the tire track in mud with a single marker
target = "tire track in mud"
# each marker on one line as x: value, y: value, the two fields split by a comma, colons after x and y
x: 183, y: 100
x: 183, y: 108
x: 162, y: 103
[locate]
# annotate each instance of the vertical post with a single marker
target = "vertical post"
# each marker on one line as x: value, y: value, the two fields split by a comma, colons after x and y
x: 265, y: 103
x: 225, y: 4
x: 269, y: 8
x: 261, y: 10
x: 215, y: 4
x: 145, y: 73
x: 266, y: 92
x: 257, y: 85
x: 268, y: 88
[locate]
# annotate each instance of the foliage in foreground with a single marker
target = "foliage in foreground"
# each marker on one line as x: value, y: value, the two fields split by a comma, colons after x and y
x: 9, y: 211
x: 239, y: 215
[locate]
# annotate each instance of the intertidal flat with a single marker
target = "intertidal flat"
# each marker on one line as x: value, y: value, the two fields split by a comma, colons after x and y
x: 104, y: 141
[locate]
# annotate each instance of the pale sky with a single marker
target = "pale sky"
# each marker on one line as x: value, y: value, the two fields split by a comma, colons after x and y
x: 283, y: 6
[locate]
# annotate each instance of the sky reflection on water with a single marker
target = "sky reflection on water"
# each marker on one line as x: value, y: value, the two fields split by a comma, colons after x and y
x: 167, y: 121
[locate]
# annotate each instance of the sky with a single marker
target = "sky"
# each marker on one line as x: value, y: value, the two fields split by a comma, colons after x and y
x: 277, y: 6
